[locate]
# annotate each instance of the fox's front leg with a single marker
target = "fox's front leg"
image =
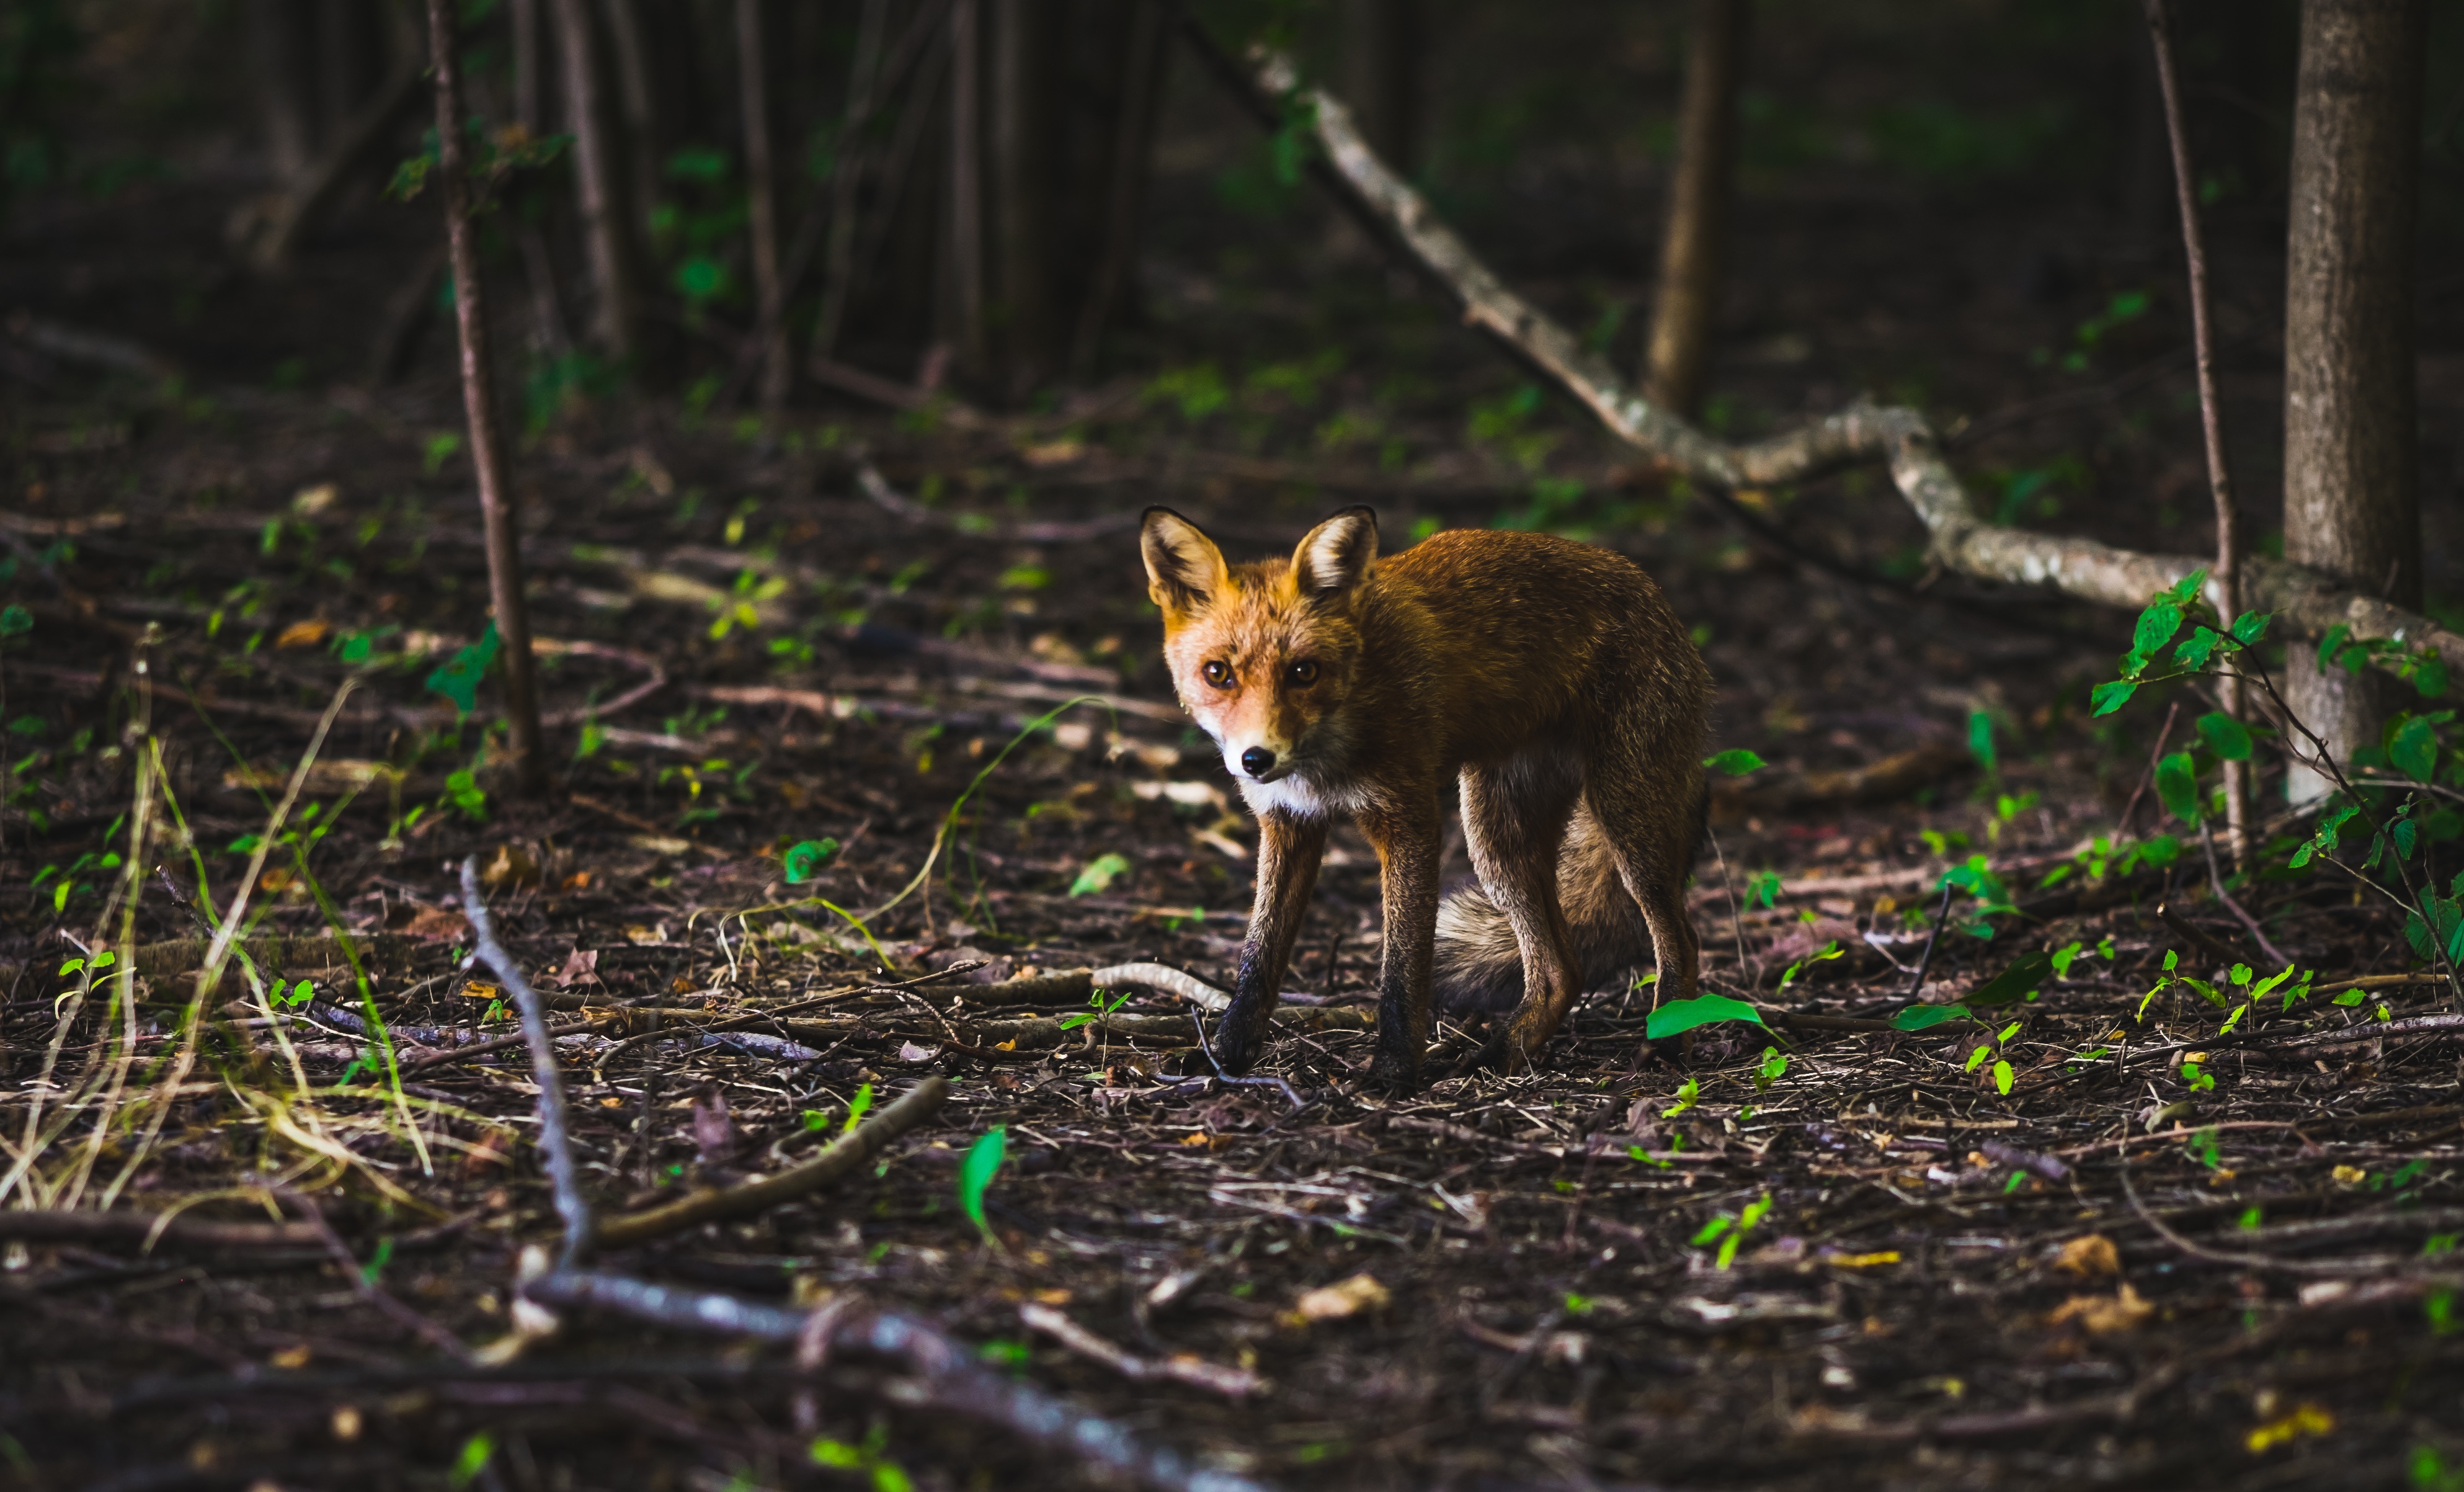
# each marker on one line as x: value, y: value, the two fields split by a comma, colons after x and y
x: 1406, y: 842
x: 1288, y: 851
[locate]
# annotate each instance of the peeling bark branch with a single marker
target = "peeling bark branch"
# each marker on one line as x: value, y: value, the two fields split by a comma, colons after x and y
x: 1961, y: 539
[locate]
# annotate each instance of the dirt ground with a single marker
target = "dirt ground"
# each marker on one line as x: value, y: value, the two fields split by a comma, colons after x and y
x: 2163, y: 1256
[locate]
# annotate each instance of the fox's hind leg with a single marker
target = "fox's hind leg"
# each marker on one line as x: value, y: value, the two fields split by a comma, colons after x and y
x: 1652, y: 815
x: 1514, y: 818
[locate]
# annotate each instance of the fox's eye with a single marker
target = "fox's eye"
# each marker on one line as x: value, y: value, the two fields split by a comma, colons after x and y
x: 1301, y: 674
x: 1218, y: 673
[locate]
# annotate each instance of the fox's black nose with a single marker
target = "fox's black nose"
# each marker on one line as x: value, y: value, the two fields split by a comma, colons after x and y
x: 1257, y: 761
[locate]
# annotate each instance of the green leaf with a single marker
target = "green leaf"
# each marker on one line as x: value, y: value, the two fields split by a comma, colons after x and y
x: 2250, y: 626
x: 1710, y: 1230
x: 1687, y: 1093
x: 15, y: 621
x: 2429, y: 678
x: 1980, y: 738
x: 804, y: 859
x: 2180, y: 592
x: 1683, y: 1015
x: 2414, y: 748
x: 2331, y: 643
x: 2111, y: 695
x: 2177, y: 783
x: 2200, y: 647
x: 2156, y: 627
x: 472, y: 1460
x: 2226, y: 736
x: 1099, y: 874
x: 1734, y: 762
x: 857, y: 1107
x: 2002, y: 1078
x: 458, y: 677
x: 1924, y: 1017
x: 2014, y: 983
x: 976, y: 1171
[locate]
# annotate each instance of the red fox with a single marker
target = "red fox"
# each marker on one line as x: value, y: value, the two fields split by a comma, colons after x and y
x: 1550, y: 677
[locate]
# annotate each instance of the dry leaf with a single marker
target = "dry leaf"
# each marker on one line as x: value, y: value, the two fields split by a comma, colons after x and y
x: 2089, y: 1258
x: 480, y: 990
x: 2349, y: 1175
x: 581, y: 967
x: 290, y: 1359
x: 2307, y: 1420
x: 439, y: 924
x: 303, y: 634
x: 2101, y: 1316
x: 909, y: 1052
x: 714, y: 1132
x: 509, y: 867
x: 1344, y: 1298
x: 309, y: 501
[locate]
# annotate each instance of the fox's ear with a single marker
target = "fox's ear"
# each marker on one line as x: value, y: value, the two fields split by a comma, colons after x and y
x: 1337, y: 554
x: 1184, y: 568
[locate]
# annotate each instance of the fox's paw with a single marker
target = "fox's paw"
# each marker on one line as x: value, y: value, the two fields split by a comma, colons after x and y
x: 1237, y: 1050
x: 1499, y: 1053
x: 1394, y: 1074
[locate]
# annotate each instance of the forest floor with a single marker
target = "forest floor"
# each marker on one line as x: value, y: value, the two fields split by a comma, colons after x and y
x: 2147, y: 1254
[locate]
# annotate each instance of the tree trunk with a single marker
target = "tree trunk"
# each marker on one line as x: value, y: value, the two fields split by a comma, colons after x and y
x: 2352, y: 506
x: 966, y: 220
x: 600, y: 188
x: 847, y: 179
x: 645, y: 113
x: 1124, y: 209
x: 279, y: 34
x: 1694, y: 240
x: 761, y: 205
x: 1382, y: 58
x: 1022, y: 98
x: 496, y: 498
x: 524, y: 15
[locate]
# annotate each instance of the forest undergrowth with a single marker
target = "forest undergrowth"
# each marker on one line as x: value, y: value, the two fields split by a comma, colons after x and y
x: 2024, y: 1136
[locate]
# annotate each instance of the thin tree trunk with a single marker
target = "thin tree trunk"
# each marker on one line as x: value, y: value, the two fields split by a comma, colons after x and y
x: 279, y: 34
x: 1024, y: 64
x: 847, y: 180
x: 1694, y: 240
x: 1125, y: 201
x: 2224, y: 581
x: 601, y: 189
x: 966, y: 182
x: 761, y: 205
x: 2352, y: 507
x: 527, y: 112
x: 646, y: 137
x: 496, y: 497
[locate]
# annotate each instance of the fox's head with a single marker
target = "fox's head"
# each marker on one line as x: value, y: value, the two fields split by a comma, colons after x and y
x: 1264, y: 654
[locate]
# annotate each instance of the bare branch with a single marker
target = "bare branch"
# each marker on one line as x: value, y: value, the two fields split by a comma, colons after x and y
x: 1962, y: 539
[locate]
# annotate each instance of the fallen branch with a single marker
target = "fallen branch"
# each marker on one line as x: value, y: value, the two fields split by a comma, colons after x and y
x: 941, y: 1371
x: 907, y: 509
x: 1185, y: 1367
x: 152, y: 1228
x: 1961, y: 539
x: 712, y: 1204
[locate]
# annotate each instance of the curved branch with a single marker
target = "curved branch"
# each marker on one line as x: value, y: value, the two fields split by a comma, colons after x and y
x: 1961, y: 539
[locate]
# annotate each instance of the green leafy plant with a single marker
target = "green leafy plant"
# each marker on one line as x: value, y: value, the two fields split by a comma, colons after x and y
x: 1096, y: 1010
x: 1679, y: 1016
x: 804, y: 859
x: 1099, y: 874
x: 975, y: 1172
x: 864, y: 1459
x: 1730, y: 1230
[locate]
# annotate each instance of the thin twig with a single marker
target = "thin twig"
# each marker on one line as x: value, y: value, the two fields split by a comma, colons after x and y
x: 556, y: 1147
x: 2217, y: 884
x: 1941, y: 916
x: 1269, y: 1080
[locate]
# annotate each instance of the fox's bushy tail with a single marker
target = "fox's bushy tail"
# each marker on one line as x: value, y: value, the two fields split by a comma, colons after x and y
x: 1479, y: 966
